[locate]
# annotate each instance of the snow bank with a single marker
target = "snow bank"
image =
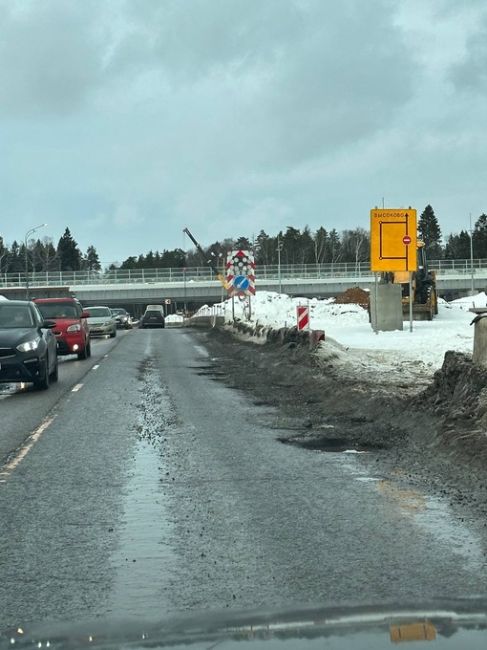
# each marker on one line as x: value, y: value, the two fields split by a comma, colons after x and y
x: 419, y: 351
x: 478, y: 300
x: 174, y: 318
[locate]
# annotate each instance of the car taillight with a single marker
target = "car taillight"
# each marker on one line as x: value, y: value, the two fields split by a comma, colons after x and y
x: 74, y: 328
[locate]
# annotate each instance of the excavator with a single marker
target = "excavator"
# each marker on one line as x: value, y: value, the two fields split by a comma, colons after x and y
x: 425, y: 298
x: 219, y: 276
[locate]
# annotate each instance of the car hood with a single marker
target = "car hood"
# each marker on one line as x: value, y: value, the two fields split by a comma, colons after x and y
x: 337, y: 628
x: 99, y: 320
x: 9, y: 338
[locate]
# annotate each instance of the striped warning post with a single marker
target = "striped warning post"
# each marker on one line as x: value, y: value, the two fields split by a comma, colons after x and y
x: 302, y: 314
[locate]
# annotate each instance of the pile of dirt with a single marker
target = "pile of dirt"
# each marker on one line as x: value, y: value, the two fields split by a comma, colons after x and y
x: 459, y: 395
x: 354, y: 296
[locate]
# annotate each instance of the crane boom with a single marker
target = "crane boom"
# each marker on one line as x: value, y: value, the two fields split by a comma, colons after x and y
x: 210, y: 263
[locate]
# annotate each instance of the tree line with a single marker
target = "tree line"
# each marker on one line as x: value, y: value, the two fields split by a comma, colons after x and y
x: 293, y: 246
x: 42, y: 255
x: 320, y: 247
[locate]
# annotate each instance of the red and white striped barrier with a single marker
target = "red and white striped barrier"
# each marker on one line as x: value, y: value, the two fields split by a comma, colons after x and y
x: 302, y: 314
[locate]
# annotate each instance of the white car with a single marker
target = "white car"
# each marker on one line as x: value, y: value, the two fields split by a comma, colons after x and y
x: 101, y: 322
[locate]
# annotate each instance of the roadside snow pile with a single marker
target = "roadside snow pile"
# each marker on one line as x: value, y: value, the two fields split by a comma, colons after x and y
x: 174, y: 318
x: 408, y: 355
x: 214, y: 310
x: 479, y: 300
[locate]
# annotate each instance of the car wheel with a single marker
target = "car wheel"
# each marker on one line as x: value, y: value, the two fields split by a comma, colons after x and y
x: 83, y: 354
x: 88, y: 348
x: 113, y: 334
x: 55, y: 372
x: 43, y: 382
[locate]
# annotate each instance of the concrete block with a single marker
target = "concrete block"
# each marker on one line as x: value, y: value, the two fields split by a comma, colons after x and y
x: 480, y: 341
x: 386, y: 307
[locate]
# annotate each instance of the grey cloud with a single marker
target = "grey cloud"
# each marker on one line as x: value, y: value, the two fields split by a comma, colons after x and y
x: 191, y: 39
x: 50, y: 56
x: 471, y: 73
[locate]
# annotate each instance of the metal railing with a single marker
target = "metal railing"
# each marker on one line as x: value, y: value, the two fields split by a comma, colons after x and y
x: 204, y: 274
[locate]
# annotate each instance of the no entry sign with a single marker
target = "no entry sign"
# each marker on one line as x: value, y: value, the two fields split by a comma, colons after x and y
x: 302, y: 314
x: 406, y: 240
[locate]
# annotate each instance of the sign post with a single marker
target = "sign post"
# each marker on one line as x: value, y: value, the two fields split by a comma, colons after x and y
x: 410, y: 302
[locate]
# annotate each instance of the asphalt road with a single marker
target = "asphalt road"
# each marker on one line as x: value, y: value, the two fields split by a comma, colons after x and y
x: 150, y: 487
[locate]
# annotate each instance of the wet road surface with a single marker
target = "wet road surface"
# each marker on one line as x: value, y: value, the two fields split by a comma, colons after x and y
x: 154, y: 488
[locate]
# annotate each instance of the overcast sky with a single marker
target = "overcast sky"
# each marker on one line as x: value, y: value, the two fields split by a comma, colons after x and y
x: 129, y: 120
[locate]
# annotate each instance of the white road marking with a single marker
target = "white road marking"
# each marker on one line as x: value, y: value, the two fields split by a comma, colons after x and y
x: 24, y: 450
x: 76, y: 388
x: 96, y: 366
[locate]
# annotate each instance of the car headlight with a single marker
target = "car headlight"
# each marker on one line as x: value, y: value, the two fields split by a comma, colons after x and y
x: 106, y: 323
x: 74, y: 328
x: 29, y: 346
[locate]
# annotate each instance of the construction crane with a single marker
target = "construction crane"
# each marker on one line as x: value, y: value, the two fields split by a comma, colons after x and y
x: 209, y: 262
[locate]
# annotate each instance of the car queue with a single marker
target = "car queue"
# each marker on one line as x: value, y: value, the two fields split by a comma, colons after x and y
x: 33, y: 334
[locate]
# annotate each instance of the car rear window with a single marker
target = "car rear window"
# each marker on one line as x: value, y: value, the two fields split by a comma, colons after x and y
x: 99, y: 311
x: 59, y: 310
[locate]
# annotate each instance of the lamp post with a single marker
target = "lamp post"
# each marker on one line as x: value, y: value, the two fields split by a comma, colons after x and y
x: 29, y: 232
x: 472, y: 289
x: 279, y: 249
x: 185, y: 302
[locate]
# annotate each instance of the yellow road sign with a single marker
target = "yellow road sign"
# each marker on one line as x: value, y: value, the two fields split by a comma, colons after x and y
x: 393, y: 240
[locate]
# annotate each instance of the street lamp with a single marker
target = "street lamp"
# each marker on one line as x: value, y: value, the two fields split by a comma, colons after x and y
x: 29, y: 232
x: 279, y: 249
x: 472, y: 289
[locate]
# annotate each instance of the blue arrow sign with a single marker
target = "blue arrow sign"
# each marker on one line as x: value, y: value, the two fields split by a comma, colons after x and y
x: 241, y: 282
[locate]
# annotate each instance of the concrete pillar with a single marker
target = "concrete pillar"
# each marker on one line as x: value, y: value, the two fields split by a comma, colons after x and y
x: 386, y: 307
x: 480, y: 341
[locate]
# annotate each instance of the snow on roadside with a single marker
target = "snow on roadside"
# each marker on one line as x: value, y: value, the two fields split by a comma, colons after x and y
x: 174, y: 318
x: 406, y: 356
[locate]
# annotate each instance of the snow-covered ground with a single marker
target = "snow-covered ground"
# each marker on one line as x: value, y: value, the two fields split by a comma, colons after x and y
x: 353, y: 344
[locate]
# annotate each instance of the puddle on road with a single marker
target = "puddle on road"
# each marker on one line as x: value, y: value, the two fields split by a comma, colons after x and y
x: 430, y: 513
x: 143, y: 559
x: 323, y: 443
x: 143, y: 556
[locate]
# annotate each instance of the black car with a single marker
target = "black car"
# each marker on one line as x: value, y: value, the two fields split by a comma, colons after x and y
x: 153, y: 317
x: 27, y: 345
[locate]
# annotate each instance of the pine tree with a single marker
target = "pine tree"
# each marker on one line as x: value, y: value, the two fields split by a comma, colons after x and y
x: 480, y: 237
x: 430, y: 232
x: 334, y: 252
x: 91, y: 260
x: 4, y: 255
x: 265, y: 249
x: 320, y: 242
x: 306, y: 247
x: 243, y: 243
x: 458, y: 246
x: 68, y: 253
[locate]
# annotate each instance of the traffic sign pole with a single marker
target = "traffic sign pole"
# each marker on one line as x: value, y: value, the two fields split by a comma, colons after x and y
x: 410, y: 302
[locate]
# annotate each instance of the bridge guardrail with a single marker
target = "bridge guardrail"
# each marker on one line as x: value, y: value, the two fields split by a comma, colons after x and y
x: 204, y: 274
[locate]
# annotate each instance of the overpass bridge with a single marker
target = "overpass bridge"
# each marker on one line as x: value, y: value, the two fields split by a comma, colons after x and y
x: 136, y: 288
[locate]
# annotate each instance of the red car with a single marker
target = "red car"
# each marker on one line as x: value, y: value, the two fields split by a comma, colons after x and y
x: 71, y: 330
